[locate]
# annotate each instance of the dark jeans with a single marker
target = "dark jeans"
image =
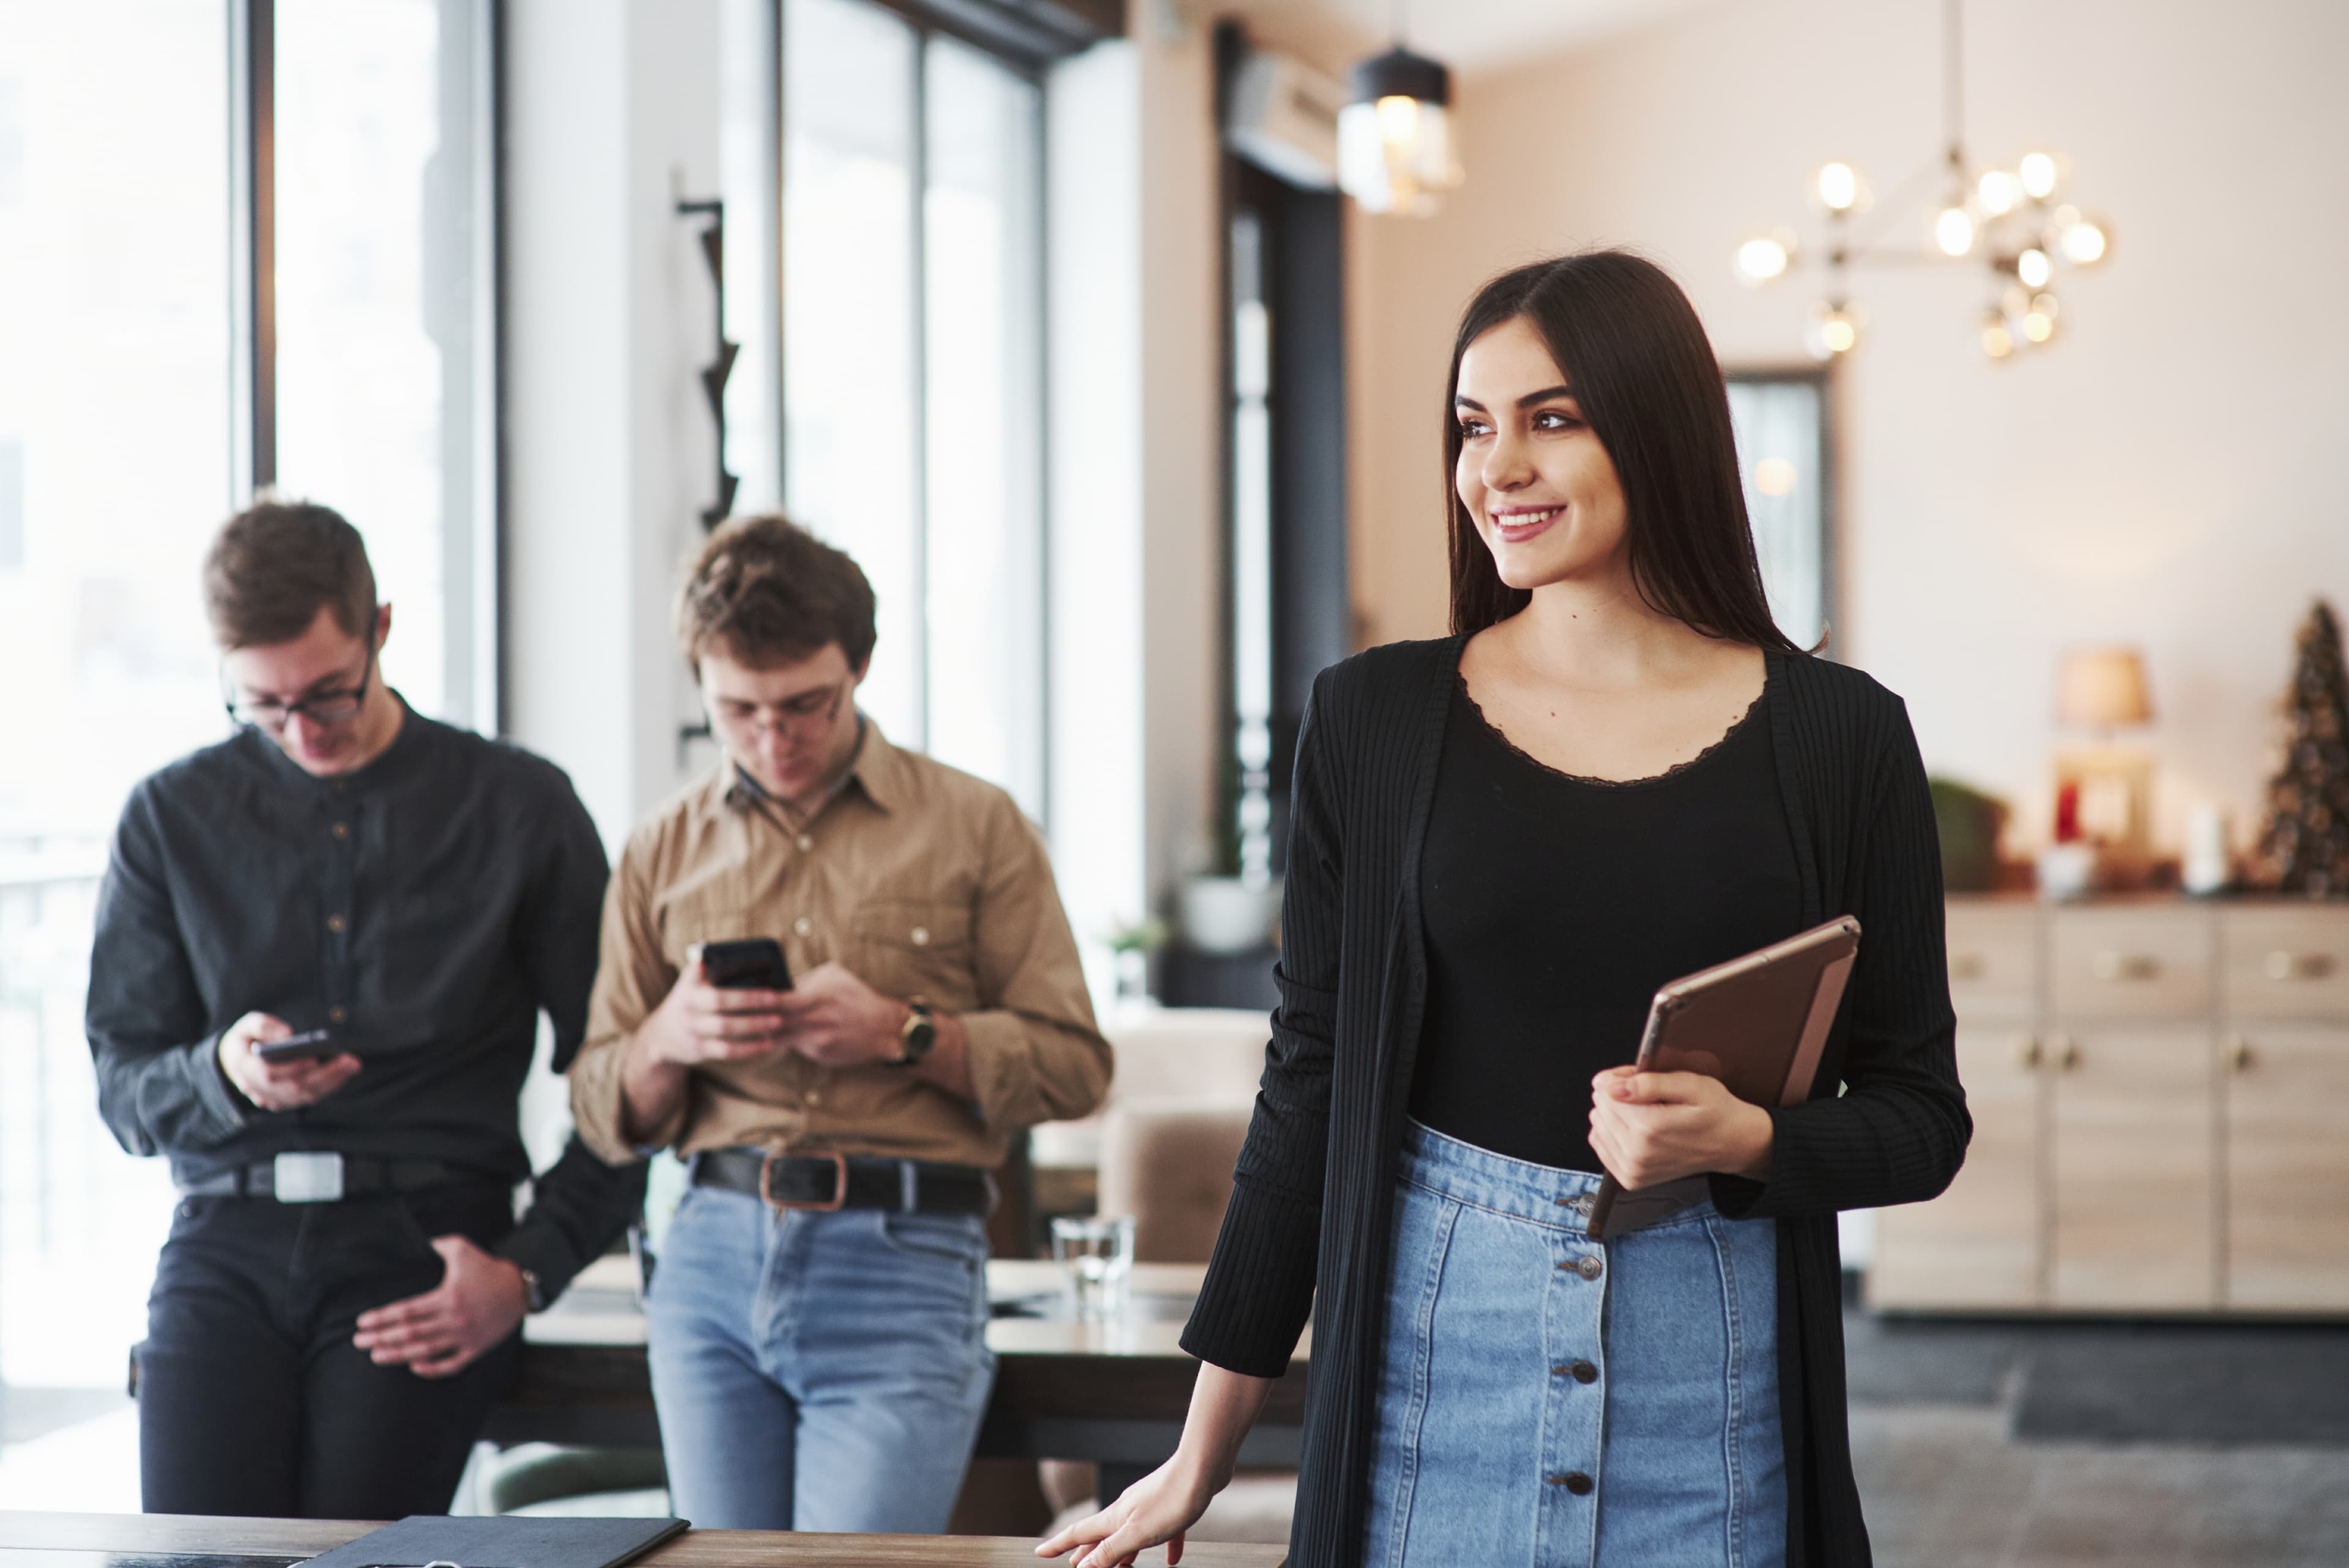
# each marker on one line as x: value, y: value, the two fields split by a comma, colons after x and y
x: 251, y: 1398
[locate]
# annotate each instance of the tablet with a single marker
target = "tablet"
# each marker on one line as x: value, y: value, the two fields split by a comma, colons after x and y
x: 1759, y: 1023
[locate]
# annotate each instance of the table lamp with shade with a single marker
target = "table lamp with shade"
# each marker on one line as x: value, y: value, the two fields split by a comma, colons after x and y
x: 2104, y: 794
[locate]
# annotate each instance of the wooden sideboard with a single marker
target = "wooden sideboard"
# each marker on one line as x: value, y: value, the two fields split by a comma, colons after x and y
x: 2160, y: 1095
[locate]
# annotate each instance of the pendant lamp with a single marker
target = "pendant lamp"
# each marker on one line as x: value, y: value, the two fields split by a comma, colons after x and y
x: 1394, y: 135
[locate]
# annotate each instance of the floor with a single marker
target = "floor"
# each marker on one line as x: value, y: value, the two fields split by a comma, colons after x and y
x: 2247, y: 1464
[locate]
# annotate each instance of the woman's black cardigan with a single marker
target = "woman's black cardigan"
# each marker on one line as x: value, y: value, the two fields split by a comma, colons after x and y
x: 1308, y: 1229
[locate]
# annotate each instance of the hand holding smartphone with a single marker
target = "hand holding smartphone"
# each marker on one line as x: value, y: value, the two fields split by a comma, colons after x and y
x: 310, y: 1045
x: 752, y: 964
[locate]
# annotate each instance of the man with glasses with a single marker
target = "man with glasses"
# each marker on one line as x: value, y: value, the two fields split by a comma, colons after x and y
x: 322, y: 946
x: 818, y: 1313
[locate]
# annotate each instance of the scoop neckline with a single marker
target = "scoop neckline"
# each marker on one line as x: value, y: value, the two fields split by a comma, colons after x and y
x: 1736, y: 726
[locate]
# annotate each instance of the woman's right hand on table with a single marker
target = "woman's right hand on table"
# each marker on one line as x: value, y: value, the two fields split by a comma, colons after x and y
x: 1156, y: 1509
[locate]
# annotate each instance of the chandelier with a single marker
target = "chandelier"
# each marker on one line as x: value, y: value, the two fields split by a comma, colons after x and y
x: 2016, y: 223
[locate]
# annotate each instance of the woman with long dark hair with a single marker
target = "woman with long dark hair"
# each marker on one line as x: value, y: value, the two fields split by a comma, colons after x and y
x: 1616, y: 770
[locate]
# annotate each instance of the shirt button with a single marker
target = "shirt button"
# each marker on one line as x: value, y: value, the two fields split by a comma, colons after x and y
x: 1584, y: 1371
x: 1575, y: 1481
x: 802, y: 926
x: 921, y: 935
x: 337, y: 1015
x: 342, y: 830
x: 334, y: 922
x: 1589, y: 1267
x: 807, y: 842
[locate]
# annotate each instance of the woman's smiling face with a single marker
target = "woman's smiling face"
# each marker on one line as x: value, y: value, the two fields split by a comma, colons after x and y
x: 1532, y: 474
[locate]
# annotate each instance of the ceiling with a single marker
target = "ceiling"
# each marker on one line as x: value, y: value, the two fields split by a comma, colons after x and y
x: 1472, y: 35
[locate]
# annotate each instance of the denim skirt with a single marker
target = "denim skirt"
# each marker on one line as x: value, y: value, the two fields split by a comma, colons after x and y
x: 1549, y: 1400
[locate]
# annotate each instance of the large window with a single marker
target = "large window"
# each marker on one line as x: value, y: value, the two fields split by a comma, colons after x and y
x: 242, y: 243
x: 912, y: 366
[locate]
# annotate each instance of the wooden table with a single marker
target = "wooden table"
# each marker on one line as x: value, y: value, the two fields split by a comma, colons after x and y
x: 1114, y: 1393
x: 185, y: 1541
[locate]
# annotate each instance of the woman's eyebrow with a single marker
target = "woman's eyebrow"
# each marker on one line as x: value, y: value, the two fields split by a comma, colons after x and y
x: 1545, y: 395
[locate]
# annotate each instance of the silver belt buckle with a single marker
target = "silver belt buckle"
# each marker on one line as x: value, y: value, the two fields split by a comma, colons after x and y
x: 307, y: 1176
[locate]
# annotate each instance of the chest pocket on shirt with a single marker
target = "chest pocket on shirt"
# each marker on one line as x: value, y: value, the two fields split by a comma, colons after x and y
x: 917, y: 948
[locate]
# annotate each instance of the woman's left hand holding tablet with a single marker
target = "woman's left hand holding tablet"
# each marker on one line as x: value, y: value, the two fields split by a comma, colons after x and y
x: 1648, y: 1128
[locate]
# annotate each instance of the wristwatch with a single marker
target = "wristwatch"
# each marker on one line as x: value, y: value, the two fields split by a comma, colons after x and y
x: 535, y: 1293
x: 920, y: 1032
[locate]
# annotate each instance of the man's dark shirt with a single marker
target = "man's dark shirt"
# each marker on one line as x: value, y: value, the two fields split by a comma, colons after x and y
x: 425, y: 908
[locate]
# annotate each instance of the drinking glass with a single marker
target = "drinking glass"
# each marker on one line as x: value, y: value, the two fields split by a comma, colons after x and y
x: 1098, y: 1253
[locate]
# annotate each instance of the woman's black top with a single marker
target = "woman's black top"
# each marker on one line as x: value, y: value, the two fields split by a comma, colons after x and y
x: 1312, y: 1203
x: 1555, y: 906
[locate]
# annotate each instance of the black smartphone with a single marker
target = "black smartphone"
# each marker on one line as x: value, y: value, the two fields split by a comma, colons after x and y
x: 752, y: 964
x: 310, y: 1045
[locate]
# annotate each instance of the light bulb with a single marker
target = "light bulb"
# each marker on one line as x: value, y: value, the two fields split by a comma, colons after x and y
x: 1760, y: 260
x: 2038, y: 326
x: 1953, y: 231
x: 1839, y: 185
x: 1397, y: 120
x: 2034, y: 269
x: 2045, y: 305
x: 2037, y: 172
x: 2084, y: 243
x: 1996, y: 340
x: 1998, y: 190
x: 1833, y: 330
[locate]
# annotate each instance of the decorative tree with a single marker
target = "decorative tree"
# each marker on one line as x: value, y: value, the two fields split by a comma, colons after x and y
x: 2306, y: 848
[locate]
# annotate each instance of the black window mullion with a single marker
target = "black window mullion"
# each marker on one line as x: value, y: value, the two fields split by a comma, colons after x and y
x: 253, y: 281
x: 919, y: 195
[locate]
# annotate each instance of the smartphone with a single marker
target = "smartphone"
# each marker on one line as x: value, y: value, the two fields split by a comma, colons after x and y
x: 310, y: 1045
x: 752, y: 964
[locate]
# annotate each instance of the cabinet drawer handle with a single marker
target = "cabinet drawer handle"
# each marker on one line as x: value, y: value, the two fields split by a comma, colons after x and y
x: 2026, y: 1053
x: 2067, y: 1052
x: 2124, y: 966
x: 1968, y: 966
x: 2238, y: 1051
x: 2288, y: 966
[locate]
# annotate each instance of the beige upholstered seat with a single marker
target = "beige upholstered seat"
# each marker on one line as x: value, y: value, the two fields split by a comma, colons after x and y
x: 1168, y: 1163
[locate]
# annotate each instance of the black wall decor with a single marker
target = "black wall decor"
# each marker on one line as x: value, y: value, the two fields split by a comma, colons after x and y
x: 713, y: 375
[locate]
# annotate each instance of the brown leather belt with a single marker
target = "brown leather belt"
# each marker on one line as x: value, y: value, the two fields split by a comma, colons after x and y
x: 828, y: 1181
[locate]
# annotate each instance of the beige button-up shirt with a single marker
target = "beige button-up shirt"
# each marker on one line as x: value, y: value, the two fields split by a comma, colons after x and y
x: 924, y: 881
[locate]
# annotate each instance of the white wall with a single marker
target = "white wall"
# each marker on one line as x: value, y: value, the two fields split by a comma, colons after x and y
x: 611, y: 115
x: 1132, y: 469
x: 2170, y: 474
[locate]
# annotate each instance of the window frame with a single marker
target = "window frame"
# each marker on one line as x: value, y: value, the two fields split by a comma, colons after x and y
x: 966, y: 23
x: 482, y: 695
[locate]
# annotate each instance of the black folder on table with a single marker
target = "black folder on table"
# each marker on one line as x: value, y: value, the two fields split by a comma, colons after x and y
x: 501, y: 1540
x: 1758, y: 1024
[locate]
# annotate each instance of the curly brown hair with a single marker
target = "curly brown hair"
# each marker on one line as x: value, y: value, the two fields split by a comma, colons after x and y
x: 765, y: 591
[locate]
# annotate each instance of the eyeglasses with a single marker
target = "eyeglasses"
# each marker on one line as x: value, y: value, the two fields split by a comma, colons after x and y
x: 808, y: 711
x: 325, y: 709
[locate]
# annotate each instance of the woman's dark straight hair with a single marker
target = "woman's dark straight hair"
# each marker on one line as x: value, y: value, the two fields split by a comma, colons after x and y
x: 1642, y: 369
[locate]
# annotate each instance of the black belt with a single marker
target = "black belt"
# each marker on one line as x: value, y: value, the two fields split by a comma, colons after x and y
x: 828, y: 1181
x: 308, y: 1178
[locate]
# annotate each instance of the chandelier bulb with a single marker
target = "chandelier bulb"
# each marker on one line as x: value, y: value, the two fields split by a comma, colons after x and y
x: 1953, y: 231
x: 2037, y: 175
x: 1839, y: 187
x: 1998, y: 192
x: 2032, y: 269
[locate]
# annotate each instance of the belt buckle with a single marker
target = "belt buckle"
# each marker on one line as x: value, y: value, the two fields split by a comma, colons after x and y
x: 839, y: 1185
x: 307, y: 1176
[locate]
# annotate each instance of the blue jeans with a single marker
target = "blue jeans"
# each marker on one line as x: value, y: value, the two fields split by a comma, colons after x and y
x: 818, y: 1371
x: 1549, y: 1400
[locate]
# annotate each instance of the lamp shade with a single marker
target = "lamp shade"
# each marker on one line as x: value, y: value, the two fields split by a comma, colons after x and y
x: 2102, y: 688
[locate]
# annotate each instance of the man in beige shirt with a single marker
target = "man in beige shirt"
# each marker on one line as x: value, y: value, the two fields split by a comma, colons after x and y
x: 818, y: 1313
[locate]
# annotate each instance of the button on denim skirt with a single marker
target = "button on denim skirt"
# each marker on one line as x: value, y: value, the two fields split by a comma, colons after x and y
x: 1549, y: 1400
